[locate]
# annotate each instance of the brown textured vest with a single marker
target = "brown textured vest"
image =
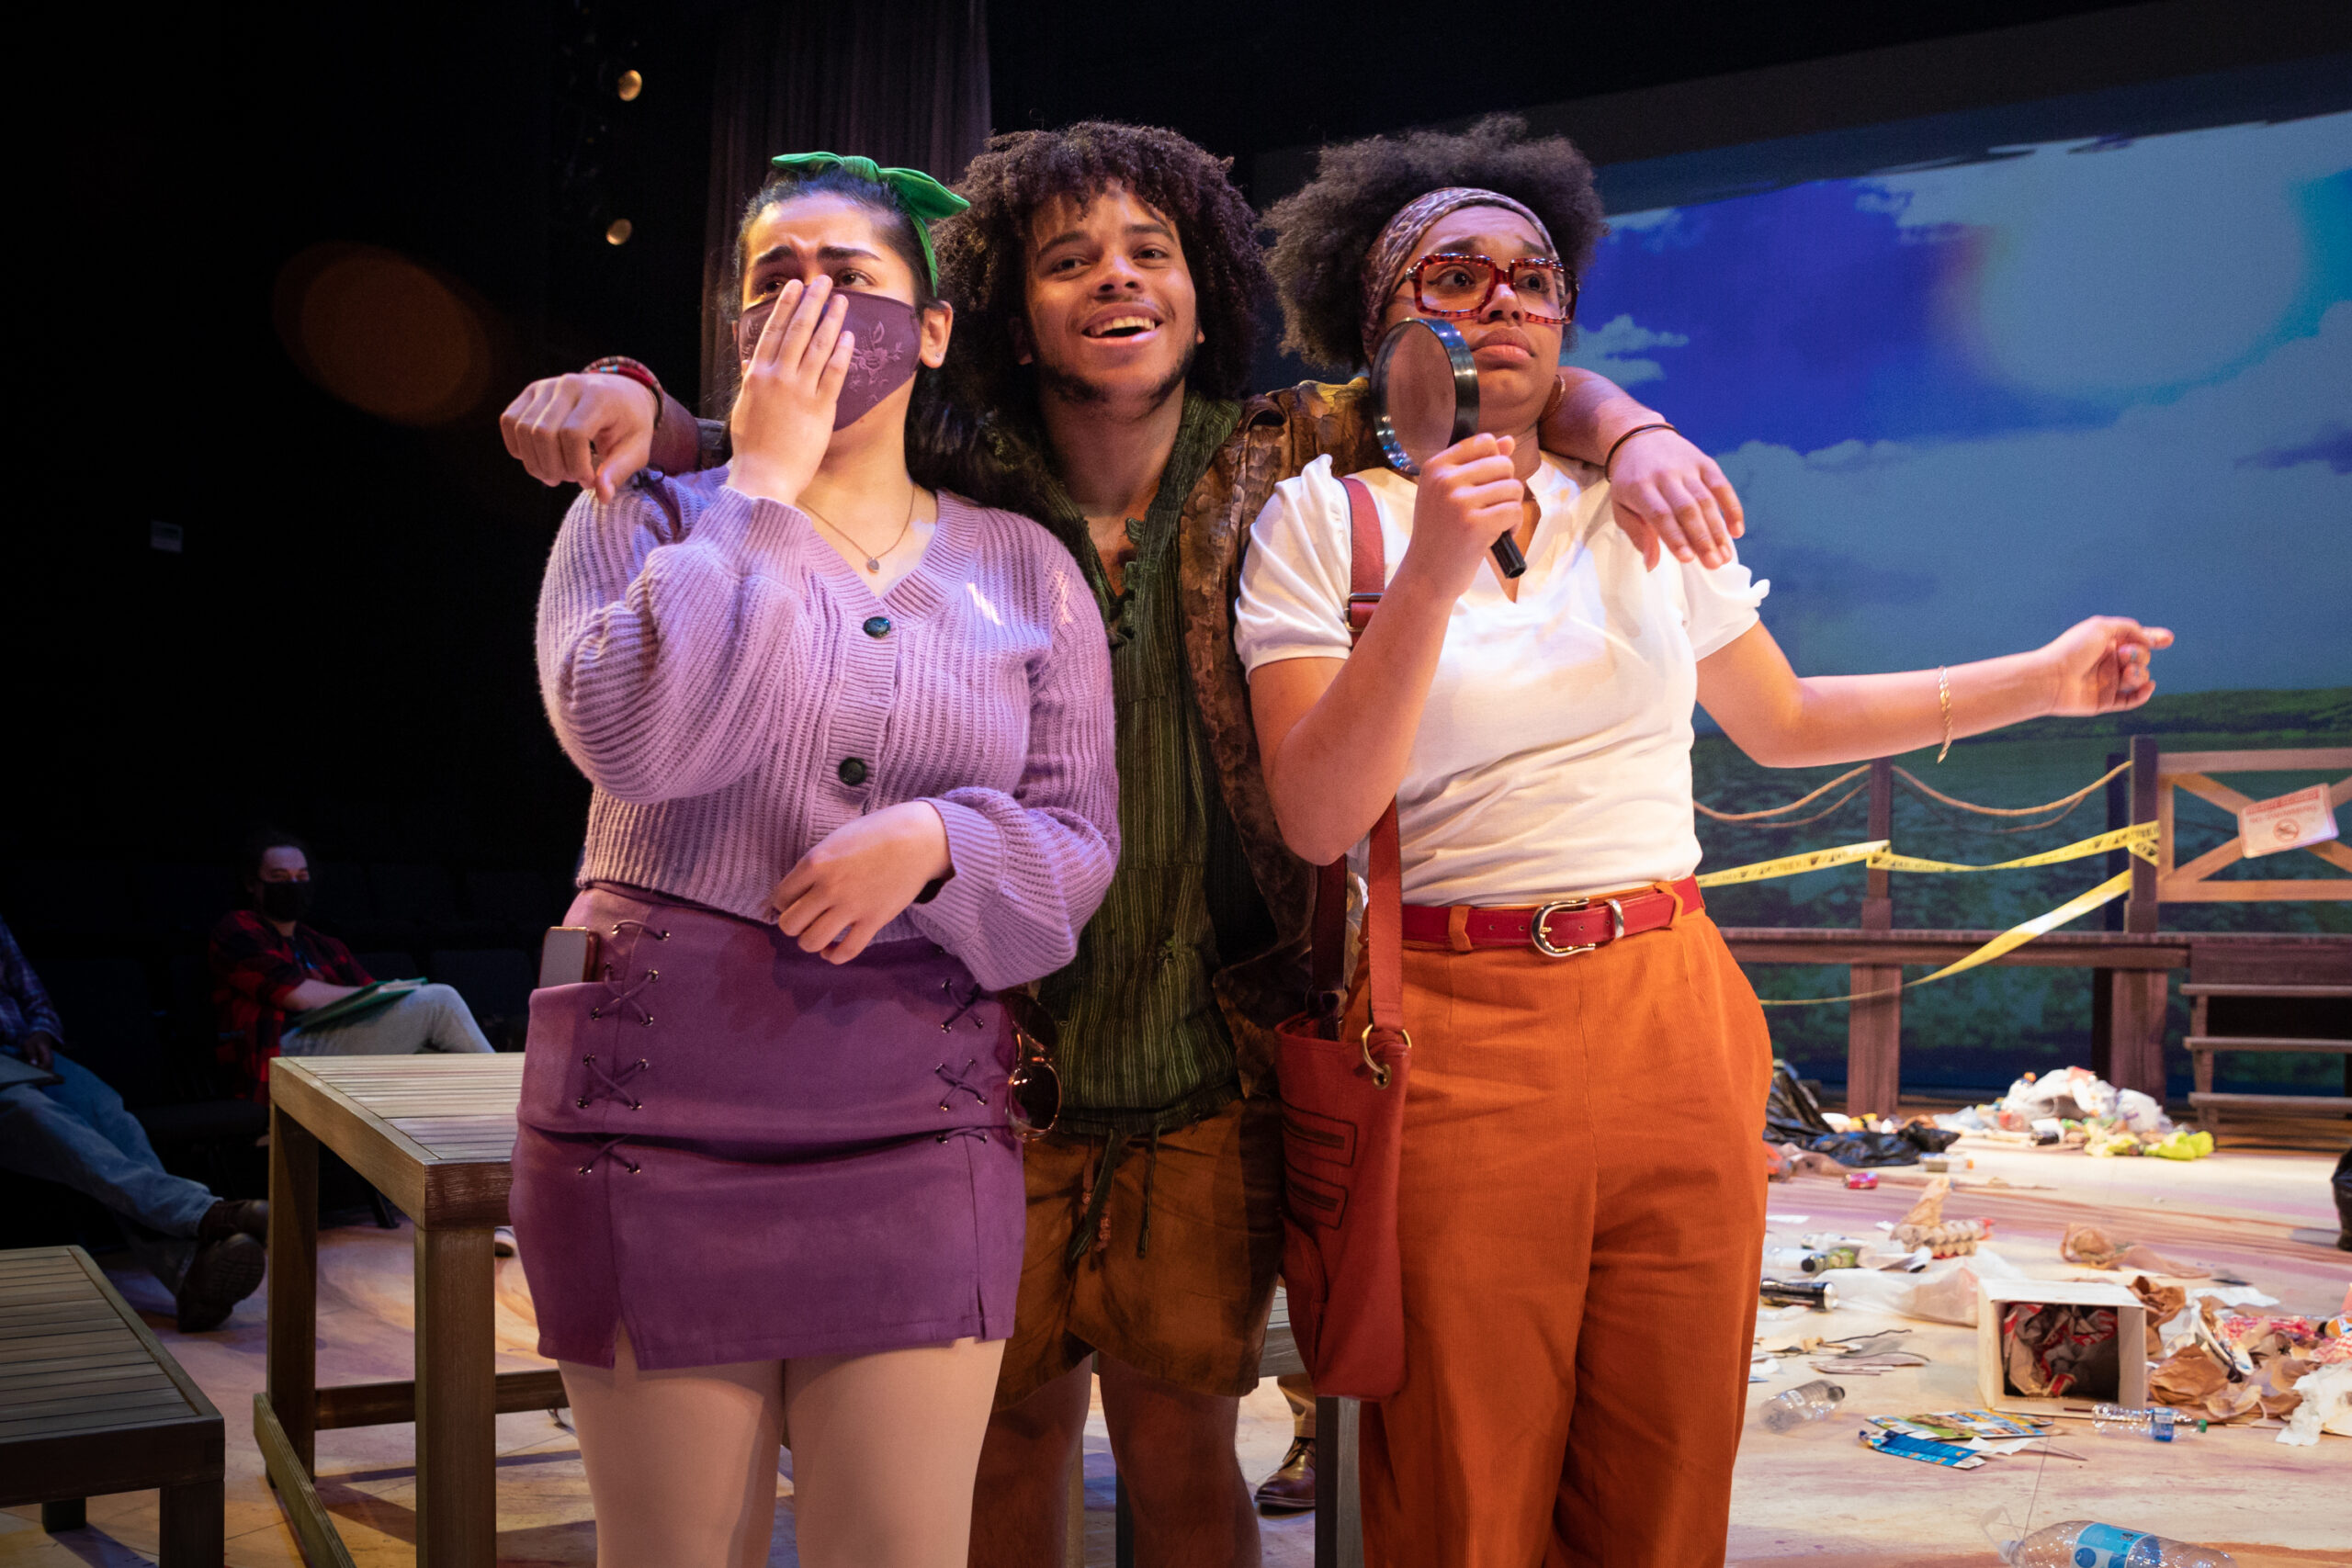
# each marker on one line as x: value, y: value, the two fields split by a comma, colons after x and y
x: 1278, y: 435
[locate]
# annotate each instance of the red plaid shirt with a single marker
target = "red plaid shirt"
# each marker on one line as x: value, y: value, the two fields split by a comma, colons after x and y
x: 253, y: 968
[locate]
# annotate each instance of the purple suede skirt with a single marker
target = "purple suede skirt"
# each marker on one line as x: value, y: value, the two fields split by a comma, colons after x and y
x: 744, y: 1153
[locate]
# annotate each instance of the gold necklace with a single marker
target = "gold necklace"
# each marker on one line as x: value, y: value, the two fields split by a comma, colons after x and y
x: 873, y: 561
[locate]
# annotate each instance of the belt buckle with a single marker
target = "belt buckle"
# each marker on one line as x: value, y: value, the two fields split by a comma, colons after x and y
x: 1544, y: 945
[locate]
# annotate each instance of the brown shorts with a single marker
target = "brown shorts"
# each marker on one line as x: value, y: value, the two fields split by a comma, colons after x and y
x: 1191, y: 1310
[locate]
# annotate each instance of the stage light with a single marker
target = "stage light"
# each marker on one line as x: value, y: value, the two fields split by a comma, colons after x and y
x: 384, y: 333
x: 618, y: 232
x: 630, y: 85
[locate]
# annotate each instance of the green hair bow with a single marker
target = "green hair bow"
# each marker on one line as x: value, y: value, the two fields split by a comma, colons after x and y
x: 919, y: 196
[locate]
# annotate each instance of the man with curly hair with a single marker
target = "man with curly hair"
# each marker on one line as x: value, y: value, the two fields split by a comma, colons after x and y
x: 1109, y: 287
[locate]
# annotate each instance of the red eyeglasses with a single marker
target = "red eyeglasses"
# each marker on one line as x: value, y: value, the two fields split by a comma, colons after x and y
x: 1455, y: 285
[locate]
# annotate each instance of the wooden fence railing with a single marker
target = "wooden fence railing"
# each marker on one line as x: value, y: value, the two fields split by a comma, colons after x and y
x: 2130, y: 965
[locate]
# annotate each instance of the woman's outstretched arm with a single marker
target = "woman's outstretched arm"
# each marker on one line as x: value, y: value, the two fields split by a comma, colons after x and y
x: 1786, y: 720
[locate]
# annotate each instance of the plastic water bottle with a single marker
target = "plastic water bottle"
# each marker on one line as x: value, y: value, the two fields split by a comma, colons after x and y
x: 1807, y: 1402
x: 2157, y: 1422
x: 2079, y: 1543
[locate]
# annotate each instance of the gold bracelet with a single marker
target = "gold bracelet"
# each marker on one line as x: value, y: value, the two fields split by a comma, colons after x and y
x: 1943, y: 698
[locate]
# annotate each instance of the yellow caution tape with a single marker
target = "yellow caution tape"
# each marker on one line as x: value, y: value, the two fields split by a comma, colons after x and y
x: 1789, y: 865
x: 2008, y: 940
x: 2140, y: 839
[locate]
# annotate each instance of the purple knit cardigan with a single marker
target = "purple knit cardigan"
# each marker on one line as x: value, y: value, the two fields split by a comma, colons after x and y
x: 735, y: 692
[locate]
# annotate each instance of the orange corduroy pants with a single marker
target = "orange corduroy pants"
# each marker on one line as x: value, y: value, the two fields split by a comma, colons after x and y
x: 1581, y: 1224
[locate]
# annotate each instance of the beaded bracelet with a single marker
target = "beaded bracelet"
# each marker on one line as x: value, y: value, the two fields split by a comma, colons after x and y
x: 621, y: 364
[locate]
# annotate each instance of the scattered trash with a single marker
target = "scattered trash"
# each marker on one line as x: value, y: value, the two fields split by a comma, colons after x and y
x: 1923, y: 1449
x: 2075, y: 1107
x: 2040, y: 1340
x: 1793, y: 1117
x: 2229, y: 1366
x: 1792, y: 1408
x: 1926, y: 1226
x: 2080, y: 1544
x: 1946, y: 1293
x: 2154, y: 1422
x: 2091, y: 1248
x: 1861, y: 1181
x: 1959, y: 1426
x: 1818, y: 1294
x: 1811, y: 1260
x: 2326, y: 1406
x: 2050, y: 1347
x: 2181, y: 1145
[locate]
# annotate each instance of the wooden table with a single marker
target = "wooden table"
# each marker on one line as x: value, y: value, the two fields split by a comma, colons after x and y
x: 435, y: 1134
x: 90, y: 1404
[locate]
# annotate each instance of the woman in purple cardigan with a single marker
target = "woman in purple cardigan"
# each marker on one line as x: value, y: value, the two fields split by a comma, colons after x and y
x: 851, y: 744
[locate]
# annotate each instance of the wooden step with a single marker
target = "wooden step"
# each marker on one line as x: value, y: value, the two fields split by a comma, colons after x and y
x: 2289, y: 1104
x: 2196, y: 1043
x: 2217, y: 990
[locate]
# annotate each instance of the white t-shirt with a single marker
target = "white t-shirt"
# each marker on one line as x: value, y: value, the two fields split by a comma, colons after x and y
x: 1554, y: 756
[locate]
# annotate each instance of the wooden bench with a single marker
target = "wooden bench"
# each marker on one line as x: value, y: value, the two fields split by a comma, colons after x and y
x: 2205, y: 1042
x: 91, y: 1404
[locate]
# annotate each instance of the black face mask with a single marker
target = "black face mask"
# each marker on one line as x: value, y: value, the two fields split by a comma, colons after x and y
x: 285, y: 900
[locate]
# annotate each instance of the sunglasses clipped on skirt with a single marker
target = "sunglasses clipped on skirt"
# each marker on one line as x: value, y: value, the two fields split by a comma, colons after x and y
x: 1034, y: 1093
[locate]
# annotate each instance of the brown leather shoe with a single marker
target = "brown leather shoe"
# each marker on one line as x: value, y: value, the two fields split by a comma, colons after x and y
x: 1291, y: 1489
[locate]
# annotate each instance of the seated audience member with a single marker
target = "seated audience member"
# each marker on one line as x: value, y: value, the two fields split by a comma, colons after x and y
x: 269, y: 968
x: 206, y: 1250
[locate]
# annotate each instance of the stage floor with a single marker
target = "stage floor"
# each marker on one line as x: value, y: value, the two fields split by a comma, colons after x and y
x: 2259, y: 1209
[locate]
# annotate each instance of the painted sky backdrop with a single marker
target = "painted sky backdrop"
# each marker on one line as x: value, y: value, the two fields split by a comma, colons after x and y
x: 1967, y: 405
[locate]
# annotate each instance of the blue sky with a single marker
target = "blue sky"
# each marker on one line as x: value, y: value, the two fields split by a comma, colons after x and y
x: 1966, y: 406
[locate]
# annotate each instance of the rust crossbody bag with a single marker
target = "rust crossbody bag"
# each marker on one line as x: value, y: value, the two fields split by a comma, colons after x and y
x: 1343, y: 1100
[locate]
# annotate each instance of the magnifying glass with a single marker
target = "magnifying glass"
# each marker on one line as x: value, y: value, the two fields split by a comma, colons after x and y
x: 1424, y: 399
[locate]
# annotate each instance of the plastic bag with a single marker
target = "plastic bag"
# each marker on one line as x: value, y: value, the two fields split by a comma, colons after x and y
x: 1793, y: 1116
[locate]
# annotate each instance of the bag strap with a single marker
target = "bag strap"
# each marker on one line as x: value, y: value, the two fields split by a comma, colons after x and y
x: 1383, y: 915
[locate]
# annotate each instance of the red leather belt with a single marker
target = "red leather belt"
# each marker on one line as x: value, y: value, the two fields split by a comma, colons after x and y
x: 1559, y: 930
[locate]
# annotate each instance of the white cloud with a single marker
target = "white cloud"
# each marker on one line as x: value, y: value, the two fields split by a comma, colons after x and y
x: 1609, y: 349
x: 2022, y: 535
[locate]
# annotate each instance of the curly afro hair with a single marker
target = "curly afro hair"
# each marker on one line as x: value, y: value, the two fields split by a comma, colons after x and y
x: 1324, y: 232
x: 983, y: 251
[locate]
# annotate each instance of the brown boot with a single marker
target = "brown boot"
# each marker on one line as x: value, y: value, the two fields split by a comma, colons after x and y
x: 234, y: 1216
x: 1291, y: 1489
x: 222, y: 1273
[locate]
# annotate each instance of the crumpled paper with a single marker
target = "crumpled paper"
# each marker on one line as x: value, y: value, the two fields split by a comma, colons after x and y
x: 2050, y: 1348
x: 2232, y: 1367
x: 2326, y: 1406
x: 2164, y: 1303
x: 2090, y: 1246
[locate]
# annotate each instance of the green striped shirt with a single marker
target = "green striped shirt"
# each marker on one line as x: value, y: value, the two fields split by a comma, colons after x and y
x: 1142, y: 1046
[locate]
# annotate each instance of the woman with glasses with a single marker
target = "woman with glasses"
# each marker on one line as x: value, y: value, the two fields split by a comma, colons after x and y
x: 1582, y: 1206
x: 849, y: 739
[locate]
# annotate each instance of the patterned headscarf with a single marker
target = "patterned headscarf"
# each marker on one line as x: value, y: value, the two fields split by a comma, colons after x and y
x: 1384, y: 264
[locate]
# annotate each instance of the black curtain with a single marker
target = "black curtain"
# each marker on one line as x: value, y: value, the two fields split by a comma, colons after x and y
x: 904, y: 83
